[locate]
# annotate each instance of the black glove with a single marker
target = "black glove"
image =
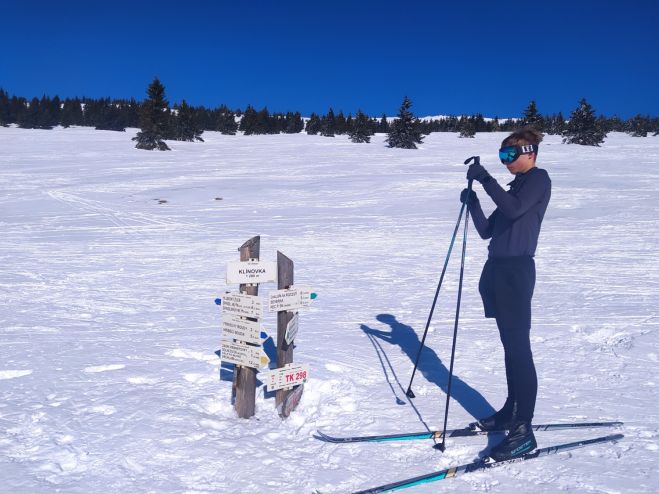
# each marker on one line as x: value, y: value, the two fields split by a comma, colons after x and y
x: 479, y: 173
x: 470, y: 198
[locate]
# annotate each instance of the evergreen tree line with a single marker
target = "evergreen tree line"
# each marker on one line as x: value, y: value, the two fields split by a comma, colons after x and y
x: 185, y: 122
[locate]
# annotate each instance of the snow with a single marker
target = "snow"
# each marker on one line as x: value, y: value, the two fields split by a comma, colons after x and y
x: 108, y: 377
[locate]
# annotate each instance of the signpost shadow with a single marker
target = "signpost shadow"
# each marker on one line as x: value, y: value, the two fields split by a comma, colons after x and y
x: 430, y: 366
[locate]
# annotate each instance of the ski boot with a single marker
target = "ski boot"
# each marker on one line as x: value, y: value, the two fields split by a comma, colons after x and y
x: 501, y: 420
x: 520, y: 440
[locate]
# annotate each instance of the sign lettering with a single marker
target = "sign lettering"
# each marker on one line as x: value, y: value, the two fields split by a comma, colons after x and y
x: 240, y: 353
x: 251, y: 272
x: 238, y: 304
x: 286, y: 377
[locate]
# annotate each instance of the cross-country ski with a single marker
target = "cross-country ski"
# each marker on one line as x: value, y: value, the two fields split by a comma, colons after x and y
x: 474, y: 466
x: 472, y: 430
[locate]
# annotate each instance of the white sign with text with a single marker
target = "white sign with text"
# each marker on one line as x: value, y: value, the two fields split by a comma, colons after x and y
x: 241, y: 329
x: 239, y: 304
x: 286, y: 377
x: 253, y: 272
x: 289, y: 299
x: 239, y: 353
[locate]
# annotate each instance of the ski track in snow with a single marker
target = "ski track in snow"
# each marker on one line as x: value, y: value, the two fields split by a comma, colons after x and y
x: 113, y: 257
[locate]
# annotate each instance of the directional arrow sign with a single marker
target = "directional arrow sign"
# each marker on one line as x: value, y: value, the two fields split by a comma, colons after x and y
x: 288, y: 299
x: 251, y: 272
x: 288, y: 376
x: 241, y: 329
x: 291, y: 329
x: 238, y: 304
x: 242, y: 354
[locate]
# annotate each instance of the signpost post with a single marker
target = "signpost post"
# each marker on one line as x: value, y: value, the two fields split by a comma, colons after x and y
x: 245, y: 377
x: 284, y: 350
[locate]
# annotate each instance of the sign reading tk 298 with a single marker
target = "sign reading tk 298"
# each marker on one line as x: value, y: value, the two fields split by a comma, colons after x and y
x: 288, y: 376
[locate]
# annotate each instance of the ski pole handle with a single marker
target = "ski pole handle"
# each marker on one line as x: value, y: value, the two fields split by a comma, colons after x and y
x: 476, y: 159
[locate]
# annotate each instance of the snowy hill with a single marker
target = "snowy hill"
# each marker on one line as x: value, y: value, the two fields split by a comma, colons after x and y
x: 113, y: 256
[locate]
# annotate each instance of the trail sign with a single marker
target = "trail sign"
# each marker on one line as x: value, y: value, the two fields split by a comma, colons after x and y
x: 290, y: 299
x: 286, y: 377
x: 251, y: 272
x: 241, y: 329
x: 243, y: 354
x: 291, y: 329
x: 238, y: 304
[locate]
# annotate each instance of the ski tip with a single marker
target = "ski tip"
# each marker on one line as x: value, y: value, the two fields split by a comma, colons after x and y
x: 323, y: 437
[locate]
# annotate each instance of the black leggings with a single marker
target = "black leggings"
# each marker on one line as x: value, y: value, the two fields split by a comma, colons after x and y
x: 520, y: 371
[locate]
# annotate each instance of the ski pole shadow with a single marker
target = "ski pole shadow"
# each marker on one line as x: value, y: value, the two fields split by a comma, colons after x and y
x: 382, y: 356
x: 431, y: 368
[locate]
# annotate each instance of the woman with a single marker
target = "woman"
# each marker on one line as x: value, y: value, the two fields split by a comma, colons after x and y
x: 508, y: 278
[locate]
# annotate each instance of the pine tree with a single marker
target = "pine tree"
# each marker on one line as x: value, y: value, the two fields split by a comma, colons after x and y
x: 466, y: 127
x: 328, y: 124
x: 29, y: 116
x: 264, y: 123
x: 71, y: 113
x: 185, y: 124
x: 383, y: 126
x: 532, y: 118
x: 555, y: 124
x: 294, y: 123
x: 639, y: 126
x: 154, y: 119
x: 313, y: 125
x: 225, y: 121
x: 4, y: 108
x: 248, y: 121
x: 583, y: 128
x: 340, y: 124
x: 106, y: 114
x: 360, y: 131
x: 403, y: 132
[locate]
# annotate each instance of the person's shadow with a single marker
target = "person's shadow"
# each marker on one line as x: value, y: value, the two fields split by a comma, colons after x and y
x: 430, y: 366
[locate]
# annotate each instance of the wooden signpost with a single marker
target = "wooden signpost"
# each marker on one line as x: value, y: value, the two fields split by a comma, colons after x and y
x: 284, y: 350
x: 245, y: 377
x: 241, y: 329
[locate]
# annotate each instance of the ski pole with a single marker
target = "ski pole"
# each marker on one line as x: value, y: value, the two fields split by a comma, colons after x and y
x: 409, y: 392
x: 442, y: 446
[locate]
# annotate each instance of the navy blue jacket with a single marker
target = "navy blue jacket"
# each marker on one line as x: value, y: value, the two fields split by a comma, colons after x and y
x: 514, y: 226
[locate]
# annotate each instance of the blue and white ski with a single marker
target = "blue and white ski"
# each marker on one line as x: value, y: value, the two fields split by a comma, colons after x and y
x: 486, y: 464
x: 471, y: 430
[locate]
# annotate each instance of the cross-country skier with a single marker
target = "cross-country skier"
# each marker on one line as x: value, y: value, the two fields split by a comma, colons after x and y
x: 508, y: 278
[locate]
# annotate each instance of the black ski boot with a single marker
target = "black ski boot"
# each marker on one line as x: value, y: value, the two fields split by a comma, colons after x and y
x: 520, y: 440
x: 500, y: 421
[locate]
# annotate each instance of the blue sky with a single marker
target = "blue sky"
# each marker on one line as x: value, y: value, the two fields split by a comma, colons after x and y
x: 453, y: 57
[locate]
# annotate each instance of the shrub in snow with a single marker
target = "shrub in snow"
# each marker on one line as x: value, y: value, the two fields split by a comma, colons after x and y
x: 154, y: 119
x: 404, y: 131
x: 583, y: 128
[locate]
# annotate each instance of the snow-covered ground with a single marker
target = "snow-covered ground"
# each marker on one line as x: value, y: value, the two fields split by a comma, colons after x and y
x: 112, y: 258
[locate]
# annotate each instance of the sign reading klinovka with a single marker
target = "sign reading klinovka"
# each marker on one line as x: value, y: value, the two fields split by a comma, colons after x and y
x: 251, y: 272
x: 239, y: 353
x: 238, y: 304
x: 241, y: 329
